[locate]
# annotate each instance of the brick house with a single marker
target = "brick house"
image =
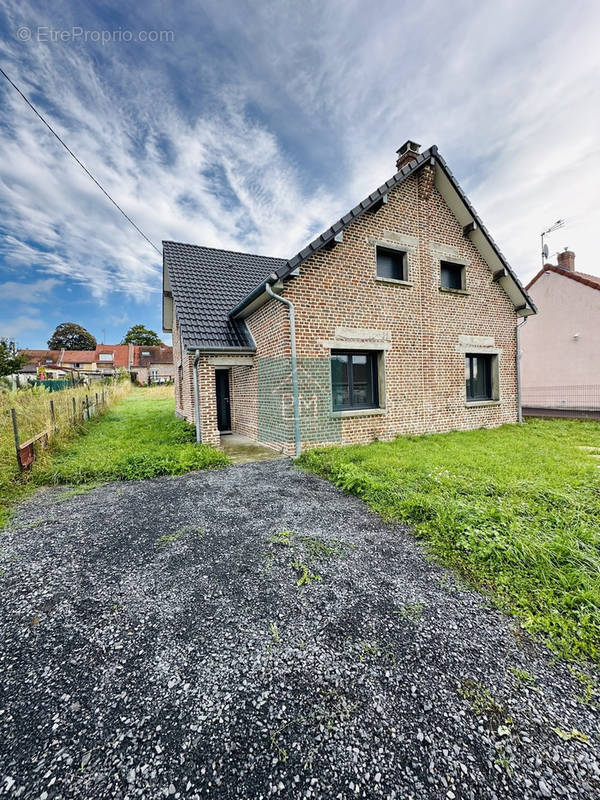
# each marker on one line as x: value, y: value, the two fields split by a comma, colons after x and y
x: 105, y: 359
x: 145, y: 364
x: 561, y: 360
x: 152, y: 364
x: 399, y: 319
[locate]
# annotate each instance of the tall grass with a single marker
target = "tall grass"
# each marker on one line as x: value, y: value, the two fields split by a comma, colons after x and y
x: 32, y: 407
x: 136, y: 439
x: 516, y: 510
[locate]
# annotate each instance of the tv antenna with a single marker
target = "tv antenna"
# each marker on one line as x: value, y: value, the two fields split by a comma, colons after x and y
x: 560, y: 223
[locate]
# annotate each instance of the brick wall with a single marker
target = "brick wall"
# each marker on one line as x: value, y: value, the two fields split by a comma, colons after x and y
x: 422, y: 329
x: 184, y: 389
x: 163, y: 370
x: 424, y: 366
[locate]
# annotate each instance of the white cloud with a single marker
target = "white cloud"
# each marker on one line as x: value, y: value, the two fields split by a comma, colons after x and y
x: 506, y: 90
x: 19, y: 327
x: 35, y: 292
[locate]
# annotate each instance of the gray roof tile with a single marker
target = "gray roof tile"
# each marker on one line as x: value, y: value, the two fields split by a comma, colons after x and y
x: 206, y: 284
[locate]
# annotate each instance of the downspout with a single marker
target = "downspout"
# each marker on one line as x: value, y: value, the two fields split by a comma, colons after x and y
x: 519, y: 355
x: 294, y: 363
x: 196, y: 397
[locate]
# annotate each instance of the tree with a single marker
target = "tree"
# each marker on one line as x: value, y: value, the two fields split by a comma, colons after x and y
x: 10, y: 360
x: 71, y: 336
x: 142, y: 336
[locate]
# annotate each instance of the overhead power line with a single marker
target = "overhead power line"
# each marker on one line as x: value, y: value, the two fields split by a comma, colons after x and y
x: 83, y: 167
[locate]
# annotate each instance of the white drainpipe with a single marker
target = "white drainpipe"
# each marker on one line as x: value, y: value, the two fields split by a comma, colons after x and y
x: 519, y: 355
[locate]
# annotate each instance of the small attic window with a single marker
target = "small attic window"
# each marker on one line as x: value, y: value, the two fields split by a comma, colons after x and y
x: 392, y: 264
x: 105, y: 357
x: 145, y: 352
x: 452, y: 276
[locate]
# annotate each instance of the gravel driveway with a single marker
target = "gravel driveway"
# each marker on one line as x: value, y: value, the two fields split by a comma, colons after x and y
x: 154, y: 642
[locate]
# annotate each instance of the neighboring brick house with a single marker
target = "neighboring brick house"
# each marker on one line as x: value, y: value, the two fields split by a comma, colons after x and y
x: 561, y: 353
x: 152, y: 364
x: 405, y: 323
x: 105, y: 359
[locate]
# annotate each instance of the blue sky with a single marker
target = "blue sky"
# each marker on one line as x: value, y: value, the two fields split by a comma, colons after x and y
x: 255, y: 125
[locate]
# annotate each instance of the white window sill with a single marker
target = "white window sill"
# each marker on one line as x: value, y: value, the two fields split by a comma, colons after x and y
x: 395, y: 281
x: 359, y: 412
x: 482, y: 403
x: 447, y: 290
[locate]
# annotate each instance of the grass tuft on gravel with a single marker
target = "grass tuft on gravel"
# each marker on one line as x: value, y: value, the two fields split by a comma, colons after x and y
x: 138, y: 438
x: 514, y: 509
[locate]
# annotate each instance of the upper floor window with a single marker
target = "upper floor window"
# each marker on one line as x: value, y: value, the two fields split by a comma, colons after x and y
x: 392, y: 264
x: 145, y: 352
x: 105, y: 357
x: 354, y: 380
x: 452, y: 276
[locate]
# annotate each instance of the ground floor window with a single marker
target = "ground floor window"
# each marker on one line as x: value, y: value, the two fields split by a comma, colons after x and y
x: 354, y: 380
x: 479, y: 377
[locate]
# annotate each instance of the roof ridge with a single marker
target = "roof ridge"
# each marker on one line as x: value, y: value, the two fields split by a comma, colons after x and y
x: 364, y: 205
x: 587, y: 279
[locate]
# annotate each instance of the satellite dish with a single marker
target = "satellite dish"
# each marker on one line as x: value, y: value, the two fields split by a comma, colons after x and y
x: 545, y: 251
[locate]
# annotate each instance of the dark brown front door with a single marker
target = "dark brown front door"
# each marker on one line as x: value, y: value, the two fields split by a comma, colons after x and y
x: 223, y: 406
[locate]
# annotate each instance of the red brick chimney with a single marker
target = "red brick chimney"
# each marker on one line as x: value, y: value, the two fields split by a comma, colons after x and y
x: 407, y: 153
x: 566, y: 260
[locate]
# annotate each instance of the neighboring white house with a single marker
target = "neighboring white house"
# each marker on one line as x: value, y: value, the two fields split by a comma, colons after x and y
x: 560, y: 366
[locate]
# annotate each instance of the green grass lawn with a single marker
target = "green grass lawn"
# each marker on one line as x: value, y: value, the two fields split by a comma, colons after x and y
x: 139, y: 437
x: 515, y: 509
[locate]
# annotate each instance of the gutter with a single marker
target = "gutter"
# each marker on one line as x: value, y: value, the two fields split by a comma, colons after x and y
x: 196, y: 397
x: 294, y: 362
x: 273, y: 278
x: 518, y: 359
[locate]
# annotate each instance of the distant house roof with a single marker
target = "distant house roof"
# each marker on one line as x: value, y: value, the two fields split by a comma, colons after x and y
x: 213, y: 288
x: 593, y: 281
x: 40, y: 357
x: 159, y: 354
x: 206, y: 284
x: 118, y: 352
x: 79, y: 356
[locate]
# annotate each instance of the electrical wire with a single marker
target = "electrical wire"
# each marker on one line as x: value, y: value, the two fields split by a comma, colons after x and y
x: 83, y: 167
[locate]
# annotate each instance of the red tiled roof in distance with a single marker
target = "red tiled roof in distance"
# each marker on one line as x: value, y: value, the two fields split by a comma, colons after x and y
x: 593, y: 281
x: 159, y: 354
x: 39, y: 357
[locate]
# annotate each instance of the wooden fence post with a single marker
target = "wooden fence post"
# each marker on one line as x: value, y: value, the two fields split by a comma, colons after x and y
x: 96, y: 408
x: 74, y: 410
x: 13, y: 414
x: 87, y: 405
x: 52, y: 415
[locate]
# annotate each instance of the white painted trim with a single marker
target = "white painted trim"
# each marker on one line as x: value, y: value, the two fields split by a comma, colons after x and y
x: 231, y: 361
x: 355, y: 344
x: 405, y: 284
x: 476, y: 341
x: 359, y: 412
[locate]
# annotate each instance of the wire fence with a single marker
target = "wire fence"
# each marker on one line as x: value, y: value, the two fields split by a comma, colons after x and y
x: 562, y: 401
x: 31, y: 418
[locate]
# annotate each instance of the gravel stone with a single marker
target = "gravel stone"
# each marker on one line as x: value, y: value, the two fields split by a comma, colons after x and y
x: 154, y: 642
